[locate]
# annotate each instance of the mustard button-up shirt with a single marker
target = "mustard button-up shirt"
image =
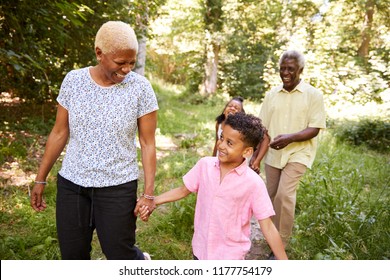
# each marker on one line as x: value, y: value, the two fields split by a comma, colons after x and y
x: 284, y: 112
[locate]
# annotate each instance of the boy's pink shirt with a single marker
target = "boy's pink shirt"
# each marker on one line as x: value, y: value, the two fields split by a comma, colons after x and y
x: 224, y: 209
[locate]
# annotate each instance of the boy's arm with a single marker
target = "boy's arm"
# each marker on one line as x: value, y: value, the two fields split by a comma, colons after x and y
x: 272, y: 236
x: 175, y: 194
x: 172, y: 195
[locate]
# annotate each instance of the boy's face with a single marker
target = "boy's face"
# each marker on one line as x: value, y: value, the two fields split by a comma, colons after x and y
x: 231, y: 148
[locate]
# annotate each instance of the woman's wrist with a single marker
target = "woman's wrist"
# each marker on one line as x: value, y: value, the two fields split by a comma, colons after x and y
x: 40, y: 182
x: 148, y: 197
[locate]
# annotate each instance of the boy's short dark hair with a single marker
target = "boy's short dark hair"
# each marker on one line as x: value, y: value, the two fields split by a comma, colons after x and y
x: 250, y: 127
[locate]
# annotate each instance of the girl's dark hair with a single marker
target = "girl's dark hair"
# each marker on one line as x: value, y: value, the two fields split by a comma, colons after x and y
x: 221, y: 117
x: 250, y: 127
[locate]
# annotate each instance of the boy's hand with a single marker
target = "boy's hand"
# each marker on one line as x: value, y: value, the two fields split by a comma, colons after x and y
x: 144, y: 210
x: 144, y: 213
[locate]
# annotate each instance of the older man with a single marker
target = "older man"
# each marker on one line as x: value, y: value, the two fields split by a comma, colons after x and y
x: 293, y: 113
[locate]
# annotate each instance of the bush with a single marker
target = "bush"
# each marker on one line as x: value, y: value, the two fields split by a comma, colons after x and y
x: 374, y: 133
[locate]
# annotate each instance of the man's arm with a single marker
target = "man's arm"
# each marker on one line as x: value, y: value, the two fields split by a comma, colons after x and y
x: 282, y: 140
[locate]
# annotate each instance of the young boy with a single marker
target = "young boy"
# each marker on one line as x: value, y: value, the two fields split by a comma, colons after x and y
x: 228, y: 194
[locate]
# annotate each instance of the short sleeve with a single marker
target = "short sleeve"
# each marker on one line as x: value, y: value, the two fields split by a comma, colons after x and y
x: 317, y: 114
x: 147, y: 99
x: 264, y: 111
x: 65, y: 93
x: 261, y: 202
x: 192, y: 178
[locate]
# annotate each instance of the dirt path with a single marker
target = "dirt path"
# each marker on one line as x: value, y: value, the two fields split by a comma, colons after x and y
x: 259, y: 249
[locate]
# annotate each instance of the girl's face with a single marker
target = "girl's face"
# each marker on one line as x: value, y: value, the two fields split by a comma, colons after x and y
x: 233, y: 107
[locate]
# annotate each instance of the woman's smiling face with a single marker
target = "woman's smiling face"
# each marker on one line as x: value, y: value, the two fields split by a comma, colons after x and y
x: 117, y: 65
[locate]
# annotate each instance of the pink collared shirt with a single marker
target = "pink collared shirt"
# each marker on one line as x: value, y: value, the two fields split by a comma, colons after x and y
x: 224, y: 209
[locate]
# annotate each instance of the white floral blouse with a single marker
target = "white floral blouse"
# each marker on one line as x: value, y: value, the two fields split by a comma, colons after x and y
x: 103, y: 123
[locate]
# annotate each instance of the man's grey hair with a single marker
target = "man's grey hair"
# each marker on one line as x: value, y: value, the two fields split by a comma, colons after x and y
x: 292, y: 54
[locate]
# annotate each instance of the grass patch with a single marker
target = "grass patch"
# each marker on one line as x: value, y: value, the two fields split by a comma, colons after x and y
x: 342, y: 205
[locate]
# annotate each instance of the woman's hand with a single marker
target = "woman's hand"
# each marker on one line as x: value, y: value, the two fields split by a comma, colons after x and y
x: 144, y: 208
x: 36, y: 199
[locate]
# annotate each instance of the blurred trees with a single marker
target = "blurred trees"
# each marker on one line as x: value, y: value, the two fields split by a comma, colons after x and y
x: 346, y: 44
x: 210, y: 46
x: 42, y: 40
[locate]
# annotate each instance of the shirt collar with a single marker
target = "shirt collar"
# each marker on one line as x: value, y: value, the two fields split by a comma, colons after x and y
x: 239, y: 169
x: 299, y: 87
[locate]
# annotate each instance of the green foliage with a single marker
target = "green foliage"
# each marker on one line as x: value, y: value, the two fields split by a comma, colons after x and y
x: 43, y: 40
x: 254, y: 35
x: 25, y: 234
x: 342, y: 206
x: 212, y: 13
x: 250, y: 44
x: 176, y: 50
x: 21, y: 129
x: 14, y: 148
x: 374, y: 133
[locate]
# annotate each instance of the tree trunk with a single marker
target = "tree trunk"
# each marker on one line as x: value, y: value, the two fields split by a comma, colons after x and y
x: 211, y: 69
x: 212, y: 16
x: 141, y: 56
x: 142, y: 20
x: 367, y: 29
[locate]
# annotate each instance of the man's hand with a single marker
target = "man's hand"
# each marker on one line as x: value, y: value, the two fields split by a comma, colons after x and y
x: 280, y: 141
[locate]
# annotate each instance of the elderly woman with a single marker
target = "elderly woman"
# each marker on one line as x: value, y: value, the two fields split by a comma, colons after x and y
x: 100, y: 109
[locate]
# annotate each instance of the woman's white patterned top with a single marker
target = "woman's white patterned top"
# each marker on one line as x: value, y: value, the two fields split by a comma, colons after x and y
x: 103, y: 123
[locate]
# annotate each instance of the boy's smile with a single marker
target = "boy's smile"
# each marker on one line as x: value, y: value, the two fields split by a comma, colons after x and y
x: 231, y: 148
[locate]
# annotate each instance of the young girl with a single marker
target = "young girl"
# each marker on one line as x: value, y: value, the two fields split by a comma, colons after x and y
x: 236, y: 104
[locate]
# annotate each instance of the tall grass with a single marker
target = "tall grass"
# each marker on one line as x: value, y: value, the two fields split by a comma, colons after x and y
x: 342, y: 205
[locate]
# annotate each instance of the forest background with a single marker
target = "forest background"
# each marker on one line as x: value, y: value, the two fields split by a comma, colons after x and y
x: 198, y: 53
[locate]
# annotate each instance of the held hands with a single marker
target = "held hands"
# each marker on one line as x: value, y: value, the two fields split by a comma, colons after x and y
x: 145, y: 207
x: 144, y: 213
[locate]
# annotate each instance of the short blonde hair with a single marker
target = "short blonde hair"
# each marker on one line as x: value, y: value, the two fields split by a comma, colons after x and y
x: 116, y: 35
